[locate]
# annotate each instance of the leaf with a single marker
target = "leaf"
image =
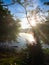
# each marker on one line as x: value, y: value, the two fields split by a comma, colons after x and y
x: 46, y: 3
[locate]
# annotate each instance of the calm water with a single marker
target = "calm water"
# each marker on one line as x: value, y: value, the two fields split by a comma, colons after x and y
x: 22, y: 42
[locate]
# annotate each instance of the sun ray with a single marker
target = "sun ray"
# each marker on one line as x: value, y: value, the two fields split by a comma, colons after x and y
x: 42, y: 34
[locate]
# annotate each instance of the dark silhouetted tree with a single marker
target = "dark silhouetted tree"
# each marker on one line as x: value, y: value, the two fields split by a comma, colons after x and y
x: 9, y: 27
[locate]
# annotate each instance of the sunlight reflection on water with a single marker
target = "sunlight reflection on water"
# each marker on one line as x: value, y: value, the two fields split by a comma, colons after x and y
x: 22, y: 41
x: 29, y: 37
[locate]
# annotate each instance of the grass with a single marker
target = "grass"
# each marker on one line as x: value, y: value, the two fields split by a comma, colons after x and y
x: 46, y: 51
x: 8, y: 61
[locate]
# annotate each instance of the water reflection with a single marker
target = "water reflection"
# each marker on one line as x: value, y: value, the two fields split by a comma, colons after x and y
x: 23, y: 38
x: 28, y: 37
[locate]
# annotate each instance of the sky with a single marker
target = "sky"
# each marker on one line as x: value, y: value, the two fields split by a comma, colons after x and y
x: 17, y: 8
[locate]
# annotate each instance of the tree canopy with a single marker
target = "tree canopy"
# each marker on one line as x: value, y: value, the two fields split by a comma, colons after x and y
x: 36, y: 12
x: 9, y: 27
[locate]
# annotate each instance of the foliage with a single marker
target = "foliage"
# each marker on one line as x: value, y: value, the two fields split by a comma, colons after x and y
x: 46, y: 51
x: 46, y: 3
x: 42, y: 30
x: 6, y: 61
x: 9, y: 27
x: 45, y: 29
x: 32, y: 55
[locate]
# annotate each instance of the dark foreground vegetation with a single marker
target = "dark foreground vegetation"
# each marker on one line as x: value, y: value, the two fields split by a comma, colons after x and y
x: 32, y: 55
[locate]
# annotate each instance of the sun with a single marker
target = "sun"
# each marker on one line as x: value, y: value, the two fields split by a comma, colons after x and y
x: 25, y: 24
x: 33, y: 22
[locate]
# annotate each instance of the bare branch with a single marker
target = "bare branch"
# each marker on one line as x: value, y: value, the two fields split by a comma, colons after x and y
x: 8, y: 4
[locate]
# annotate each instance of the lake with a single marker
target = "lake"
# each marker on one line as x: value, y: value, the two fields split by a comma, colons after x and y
x: 23, y: 38
x: 22, y: 41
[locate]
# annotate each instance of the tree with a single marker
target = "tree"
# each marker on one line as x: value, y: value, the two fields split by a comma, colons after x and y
x: 9, y: 27
x: 32, y: 58
x: 44, y: 27
x: 37, y: 31
x: 32, y: 55
x: 46, y: 3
